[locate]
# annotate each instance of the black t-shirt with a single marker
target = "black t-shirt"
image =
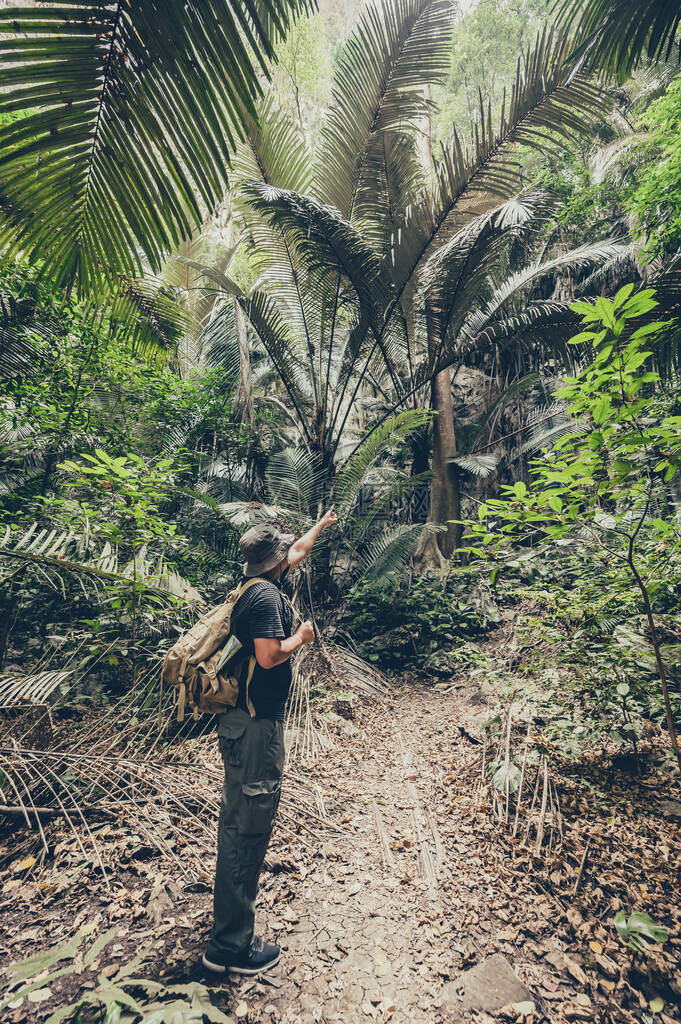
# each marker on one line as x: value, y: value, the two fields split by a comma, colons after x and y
x: 263, y: 612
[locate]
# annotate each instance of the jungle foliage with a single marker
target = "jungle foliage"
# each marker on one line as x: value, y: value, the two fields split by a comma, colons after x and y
x: 355, y: 287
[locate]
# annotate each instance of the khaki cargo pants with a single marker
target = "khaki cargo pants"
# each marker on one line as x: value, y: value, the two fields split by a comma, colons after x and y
x: 253, y: 753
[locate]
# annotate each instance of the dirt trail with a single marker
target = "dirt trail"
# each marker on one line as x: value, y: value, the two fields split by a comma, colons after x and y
x: 379, y: 912
x: 398, y: 903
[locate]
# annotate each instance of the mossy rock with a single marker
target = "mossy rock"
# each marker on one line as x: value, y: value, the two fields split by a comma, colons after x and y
x: 440, y: 663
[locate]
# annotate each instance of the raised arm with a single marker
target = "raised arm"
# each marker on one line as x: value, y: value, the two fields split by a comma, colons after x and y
x: 302, y: 547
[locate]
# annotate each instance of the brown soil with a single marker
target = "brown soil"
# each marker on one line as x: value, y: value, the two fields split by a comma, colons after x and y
x: 411, y: 881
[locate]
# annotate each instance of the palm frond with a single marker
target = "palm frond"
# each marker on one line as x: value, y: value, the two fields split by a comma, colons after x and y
x: 246, y: 513
x: 615, y: 35
x: 35, y: 687
x: 327, y: 244
x: 333, y: 251
x: 397, y: 494
x: 547, y: 107
x: 390, y: 433
x: 460, y: 274
x: 150, y: 318
x: 398, y: 179
x: 386, y: 557
x: 354, y: 673
x: 219, y: 341
x: 477, y: 465
x: 131, y: 122
x: 517, y: 387
x: 457, y: 276
x: 65, y: 552
x: 273, y: 151
x: 544, y: 426
x: 155, y: 797
x: 397, y: 50
x: 294, y: 481
x: 22, y: 333
x: 272, y: 327
x: 593, y: 254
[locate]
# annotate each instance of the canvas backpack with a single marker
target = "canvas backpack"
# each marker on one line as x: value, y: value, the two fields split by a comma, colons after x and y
x: 206, y: 663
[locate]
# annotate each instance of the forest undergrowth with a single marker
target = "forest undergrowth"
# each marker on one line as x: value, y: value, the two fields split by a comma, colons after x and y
x: 451, y: 803
x: 419, y: 265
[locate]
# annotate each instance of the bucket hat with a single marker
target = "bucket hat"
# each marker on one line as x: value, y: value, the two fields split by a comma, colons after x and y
x: 263, y: 547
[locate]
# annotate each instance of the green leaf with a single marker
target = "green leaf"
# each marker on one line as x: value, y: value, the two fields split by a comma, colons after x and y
x: 644, y: 925
x: 639, y: 930
x: 601, y: 410
x: 43, y: 960
x: 64, y: 1011
x: 634, y: 362
x: 582, y: 338
x: 129, y: 131
x: 98, y: 945
x: 620, y: 922
x: 507, y: 778
x: 113, y: 1014
x: 622, y: 295
x: 587, y: 309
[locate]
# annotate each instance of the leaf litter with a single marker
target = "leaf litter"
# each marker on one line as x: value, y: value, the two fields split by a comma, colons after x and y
x: 422, y: 880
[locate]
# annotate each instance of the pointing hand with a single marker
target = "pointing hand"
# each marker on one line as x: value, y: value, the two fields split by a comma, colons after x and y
x: 329, y: 518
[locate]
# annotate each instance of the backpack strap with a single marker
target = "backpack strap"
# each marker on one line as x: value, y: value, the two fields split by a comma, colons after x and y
x: 243, y: 587
x: 183, y: 667
x: 181, y: 701
x: 292, y: 608
x: 249, y: 676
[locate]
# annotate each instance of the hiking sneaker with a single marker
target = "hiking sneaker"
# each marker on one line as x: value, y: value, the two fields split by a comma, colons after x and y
x: 259, y: 956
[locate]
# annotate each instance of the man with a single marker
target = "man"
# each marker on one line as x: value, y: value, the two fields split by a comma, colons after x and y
x: 252, y: 748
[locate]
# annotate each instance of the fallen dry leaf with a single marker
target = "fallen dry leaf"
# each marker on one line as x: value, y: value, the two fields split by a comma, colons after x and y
x: 39, y: 995
x: 23, y: 865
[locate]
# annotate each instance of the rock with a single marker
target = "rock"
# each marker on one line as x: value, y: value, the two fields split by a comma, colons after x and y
x: 342, y: 724
x: 440, y: 663
x: 670, y: 809
x: 488, y: 986
x: 345, y: 706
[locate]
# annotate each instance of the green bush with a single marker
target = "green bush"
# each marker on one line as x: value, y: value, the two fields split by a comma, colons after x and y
x: 405, y: 626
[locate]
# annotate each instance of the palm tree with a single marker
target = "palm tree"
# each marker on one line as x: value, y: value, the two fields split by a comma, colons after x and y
x: 477, y: 309
x: 313, y: 316
x: 119, y: 124
x: 375, y: 263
